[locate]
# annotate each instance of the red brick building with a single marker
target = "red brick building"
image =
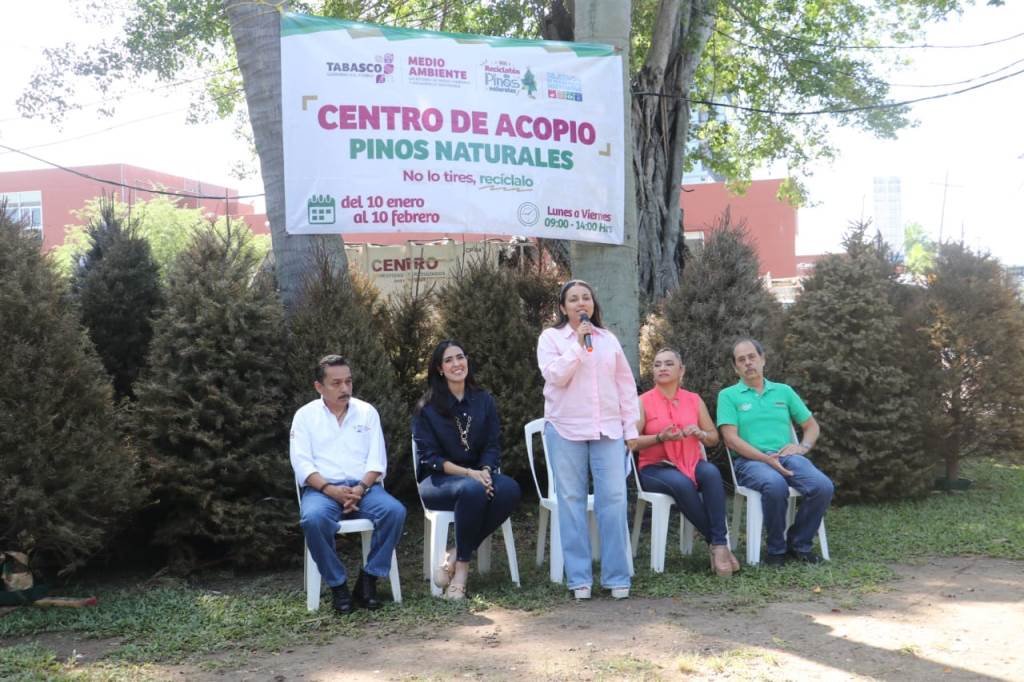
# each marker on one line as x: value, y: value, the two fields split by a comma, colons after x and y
x: 47, y: 198
x: 771, y: 222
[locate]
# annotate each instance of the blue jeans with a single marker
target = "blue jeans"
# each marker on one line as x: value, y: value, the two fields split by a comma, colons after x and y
x: 476, y: 515
x: 319, y: 516
x: 815, y: 487
x: 605, y: 460
x: 707, y: 514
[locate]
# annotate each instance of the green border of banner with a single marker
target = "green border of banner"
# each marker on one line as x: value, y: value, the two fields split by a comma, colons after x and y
x: 298, y: 24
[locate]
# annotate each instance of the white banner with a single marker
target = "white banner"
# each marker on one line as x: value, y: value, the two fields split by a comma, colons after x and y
x: 397, y: 130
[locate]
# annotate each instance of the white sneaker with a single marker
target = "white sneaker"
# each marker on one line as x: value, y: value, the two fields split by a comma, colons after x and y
x: 582, y: 593
x: 620, y: 593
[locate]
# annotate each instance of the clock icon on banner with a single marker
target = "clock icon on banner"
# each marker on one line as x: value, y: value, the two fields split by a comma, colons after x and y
x: 528, y: 214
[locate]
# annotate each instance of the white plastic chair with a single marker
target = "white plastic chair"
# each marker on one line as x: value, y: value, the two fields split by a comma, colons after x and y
x: 755, y: 516
x: 548, y: 512
x: 435, y: 537
x: 661, y: 508
x: 311, y: 574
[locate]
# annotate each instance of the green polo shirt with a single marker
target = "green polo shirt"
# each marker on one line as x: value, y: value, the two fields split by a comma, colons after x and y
x: 765, y: 421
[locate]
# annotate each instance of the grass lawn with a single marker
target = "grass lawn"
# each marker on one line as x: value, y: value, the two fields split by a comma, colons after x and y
x: 220, y: 618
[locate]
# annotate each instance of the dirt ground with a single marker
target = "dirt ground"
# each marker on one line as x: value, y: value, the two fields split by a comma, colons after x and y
x: 944, y: 619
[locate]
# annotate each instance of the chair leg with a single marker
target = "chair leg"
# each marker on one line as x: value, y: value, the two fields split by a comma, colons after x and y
x: 428, y: 539
x: 823, y: 541
x: 510, y: 550
x: 686, y: 531
x: 790, y: 512
x: 312, y: 575
x: 367, y: 538
x: 542, y: 534
x: 483, y: 556
x: 755, y: 521
x: 638, y: 522
x: 659, y: 536
x: 557, y: 568
x: 737, y: 518
x: 629, y: 555
x: 396, y: 584
x: 439, y: 537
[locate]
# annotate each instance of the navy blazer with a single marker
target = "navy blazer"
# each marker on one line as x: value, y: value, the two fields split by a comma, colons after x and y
x: 437, y: 437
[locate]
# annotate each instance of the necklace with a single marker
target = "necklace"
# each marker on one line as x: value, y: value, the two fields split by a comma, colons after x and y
x: 464, y: 430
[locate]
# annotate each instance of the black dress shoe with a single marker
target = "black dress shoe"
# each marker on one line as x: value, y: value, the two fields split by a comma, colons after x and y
x: 341, y: 600
x: 774, y: 560
x: 805, y: 557
x: 365, y: 592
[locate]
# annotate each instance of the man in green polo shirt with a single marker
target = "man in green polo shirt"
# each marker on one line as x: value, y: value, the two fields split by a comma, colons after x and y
x: 756, y: 417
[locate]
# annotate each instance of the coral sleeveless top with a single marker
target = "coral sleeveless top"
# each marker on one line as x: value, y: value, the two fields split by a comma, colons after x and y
x: 660, y: 412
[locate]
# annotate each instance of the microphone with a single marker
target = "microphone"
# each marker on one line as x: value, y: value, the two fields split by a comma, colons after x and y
x: 587, y: 343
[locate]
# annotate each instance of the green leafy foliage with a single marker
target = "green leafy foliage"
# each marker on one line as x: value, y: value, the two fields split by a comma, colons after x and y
x: 67, y: 482
x: 919, y: 251
x: 165, y: 225
x: 210, y: 411
x: 843, y: 347
x: 117, y: 285
x: 482, y: 308
x: 976, y: 333
x: 341, y: 313
x: 720, y: 299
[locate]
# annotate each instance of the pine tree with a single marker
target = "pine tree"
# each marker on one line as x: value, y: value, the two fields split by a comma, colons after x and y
x: 843, y: 340
x: 210, y: 411
x: 117, y: 284
x: 341, y: 313
x: 67, y: 482
x: 481, y: 308
x: 976, y: 332
x: 408, y: 334
x: 720, y: 299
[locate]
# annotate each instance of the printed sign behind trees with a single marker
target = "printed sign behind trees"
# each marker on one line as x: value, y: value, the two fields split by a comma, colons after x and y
x: 398, y: 130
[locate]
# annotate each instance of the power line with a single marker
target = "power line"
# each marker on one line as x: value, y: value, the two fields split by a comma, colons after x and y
x: 829, y: 66
x: 847, y: 110
x: 749, y: 23
x: 114, y: 183
x: 969, y: 80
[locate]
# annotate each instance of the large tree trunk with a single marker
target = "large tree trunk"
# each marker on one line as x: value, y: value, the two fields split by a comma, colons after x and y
x: 256, y: 30
x: 661, y: 125
x: 612, y: 270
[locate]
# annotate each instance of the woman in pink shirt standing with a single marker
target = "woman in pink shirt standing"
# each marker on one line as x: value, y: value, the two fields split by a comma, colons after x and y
x: 590, y: 406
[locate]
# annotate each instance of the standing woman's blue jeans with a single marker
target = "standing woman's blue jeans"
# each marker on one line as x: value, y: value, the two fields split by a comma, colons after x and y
x: 571, y: 462
x: 708, y: 514
x: 476, y: 515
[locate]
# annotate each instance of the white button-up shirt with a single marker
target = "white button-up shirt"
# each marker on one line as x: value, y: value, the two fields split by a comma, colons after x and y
x: 338, y: 452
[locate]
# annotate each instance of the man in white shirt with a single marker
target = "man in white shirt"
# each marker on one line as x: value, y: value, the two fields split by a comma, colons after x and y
x: 337, y: 452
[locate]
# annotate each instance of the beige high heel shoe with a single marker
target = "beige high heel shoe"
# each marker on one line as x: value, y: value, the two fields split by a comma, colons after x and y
x: 443, y: 573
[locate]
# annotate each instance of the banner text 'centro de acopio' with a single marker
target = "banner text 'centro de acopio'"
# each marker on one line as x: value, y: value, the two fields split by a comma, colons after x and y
x: 398, y: 130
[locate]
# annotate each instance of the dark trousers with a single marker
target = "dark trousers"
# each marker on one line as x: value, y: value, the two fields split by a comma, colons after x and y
x: 707, y: 514
x: 476, y: 515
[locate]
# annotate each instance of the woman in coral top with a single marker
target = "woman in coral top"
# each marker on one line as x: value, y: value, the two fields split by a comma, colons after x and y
x: 590, y: 407
x: 673, y: 424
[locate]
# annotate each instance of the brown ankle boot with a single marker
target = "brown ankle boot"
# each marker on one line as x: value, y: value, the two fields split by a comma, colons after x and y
x: 720, y: 563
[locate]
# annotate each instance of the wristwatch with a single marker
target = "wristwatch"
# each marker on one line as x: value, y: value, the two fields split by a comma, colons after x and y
x: 363, y: 486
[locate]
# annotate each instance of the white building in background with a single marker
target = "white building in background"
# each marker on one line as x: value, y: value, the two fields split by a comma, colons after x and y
x: 889, y: 211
